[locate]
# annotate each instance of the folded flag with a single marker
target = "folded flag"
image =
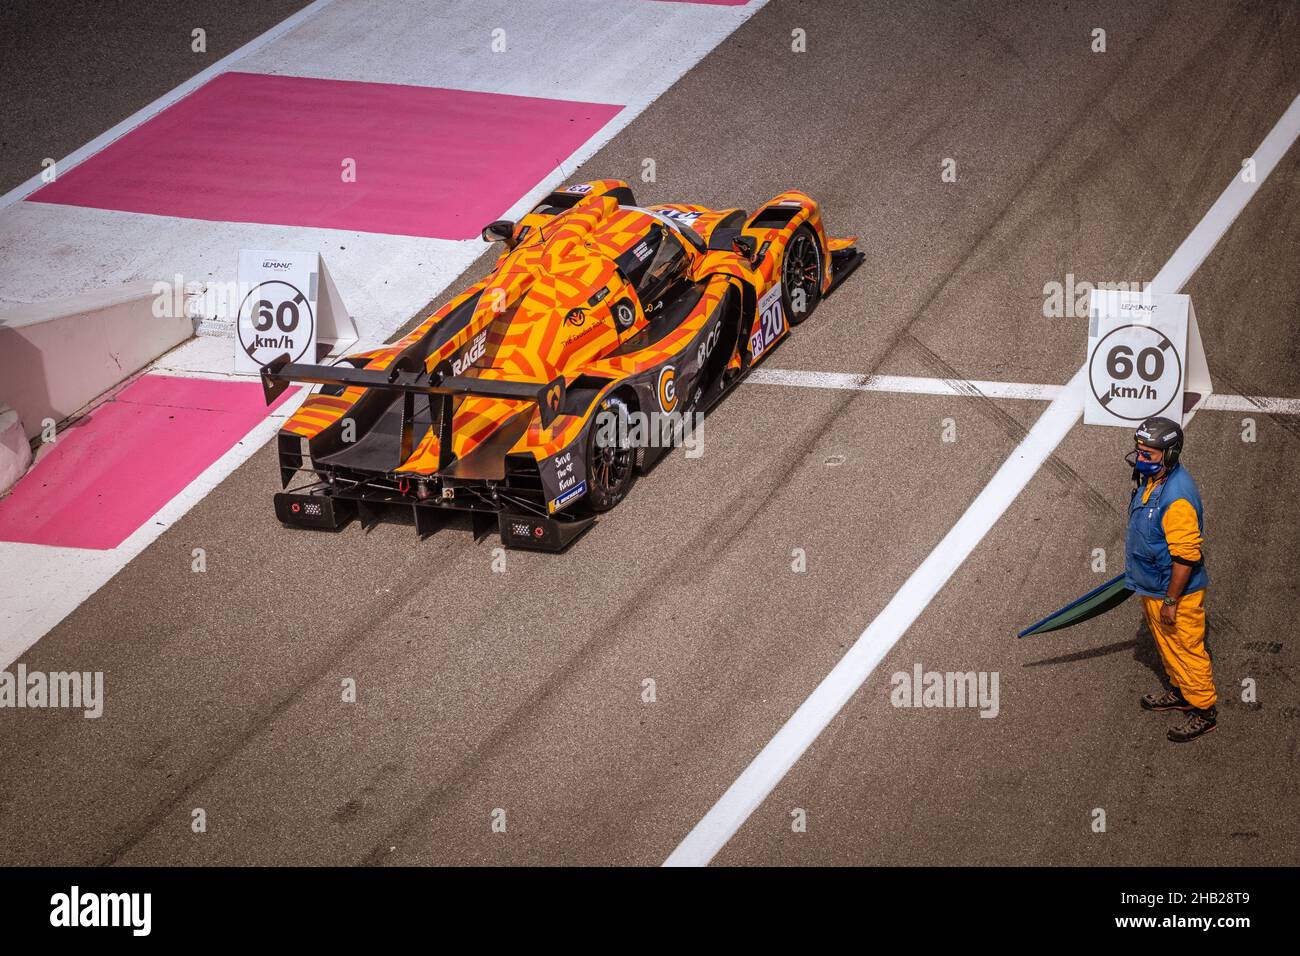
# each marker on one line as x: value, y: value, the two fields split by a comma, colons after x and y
x: 1097, y: 601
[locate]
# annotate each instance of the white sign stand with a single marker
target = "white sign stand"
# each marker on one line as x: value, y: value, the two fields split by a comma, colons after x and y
x: 283, y: 309
x: 336, y: 326
x: 1145, y: 358
x: 1198, y: 387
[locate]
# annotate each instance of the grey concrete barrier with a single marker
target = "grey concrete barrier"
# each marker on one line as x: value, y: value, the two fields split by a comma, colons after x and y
x: 59, y: 355
x: 15, y: 453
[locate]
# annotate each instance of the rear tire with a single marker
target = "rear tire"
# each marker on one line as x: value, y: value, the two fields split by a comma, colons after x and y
x: 802, y: 268
x: 611, y: 467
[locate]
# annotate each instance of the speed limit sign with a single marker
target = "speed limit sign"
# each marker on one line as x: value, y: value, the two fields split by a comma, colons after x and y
x: 1144, y: 358
x: 277, y: 308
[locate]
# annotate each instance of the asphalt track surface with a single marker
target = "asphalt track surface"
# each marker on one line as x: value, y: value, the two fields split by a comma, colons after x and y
x: 74, y: 68
x: 523, y: 690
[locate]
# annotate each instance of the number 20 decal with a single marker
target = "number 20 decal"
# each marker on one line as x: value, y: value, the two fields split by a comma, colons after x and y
x: 771, y: 322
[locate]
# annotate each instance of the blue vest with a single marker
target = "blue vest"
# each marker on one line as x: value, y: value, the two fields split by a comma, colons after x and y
x: 1148, y: 564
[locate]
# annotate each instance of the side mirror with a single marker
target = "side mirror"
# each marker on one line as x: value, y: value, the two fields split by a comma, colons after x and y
x: 745, y: 246
x: 503, y: 230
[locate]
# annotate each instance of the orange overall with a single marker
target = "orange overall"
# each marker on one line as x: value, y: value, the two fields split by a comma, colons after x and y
x: 1182, y: 646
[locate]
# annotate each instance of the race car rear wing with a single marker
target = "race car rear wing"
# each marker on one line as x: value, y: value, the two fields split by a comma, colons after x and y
x: 549, y: 396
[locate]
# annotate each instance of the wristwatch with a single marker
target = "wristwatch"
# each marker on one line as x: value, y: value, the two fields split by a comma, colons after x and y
x: 1169, y: 601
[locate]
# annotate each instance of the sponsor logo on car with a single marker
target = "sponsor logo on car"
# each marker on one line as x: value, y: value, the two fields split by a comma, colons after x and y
x: 679, y: 217
x: 564, y: 476
x: 473, y: 352
x: 594, y: 327
x: 574, y: 493
x: 583, y: 188
x: 706, y: 346
x: 667, y: 388
x: 624, y: 314
x: 576, y: 317
x: 641, y: 250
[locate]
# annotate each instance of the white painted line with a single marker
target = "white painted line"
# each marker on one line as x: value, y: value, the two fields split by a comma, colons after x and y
x: 167, y: 99
x: 49, y: 250
x: 1252, y: 403
x: 1189, y: 256
x: 774, y: 761
x: 509, y: 47
x: 909, y: 385
x: 902, y: 383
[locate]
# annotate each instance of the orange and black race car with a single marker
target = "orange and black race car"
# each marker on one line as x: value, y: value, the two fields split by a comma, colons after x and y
x: 514, y: 400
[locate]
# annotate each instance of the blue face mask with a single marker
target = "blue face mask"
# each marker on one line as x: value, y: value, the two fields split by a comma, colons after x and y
x: 1147, y: 469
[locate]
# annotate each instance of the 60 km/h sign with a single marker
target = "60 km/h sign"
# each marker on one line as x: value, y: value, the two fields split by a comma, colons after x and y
x: 1136, y: 372
x: 1145, y: 358
x: 279, y: 312
x: 276, y: 317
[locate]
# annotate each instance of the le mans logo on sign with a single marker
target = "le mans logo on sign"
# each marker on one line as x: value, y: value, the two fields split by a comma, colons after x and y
x: 278, y: 311
x: 1138, y: 350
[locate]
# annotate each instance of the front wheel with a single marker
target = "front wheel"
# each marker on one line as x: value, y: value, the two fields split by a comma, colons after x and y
x: 801, y: 275
x: 611, y: 458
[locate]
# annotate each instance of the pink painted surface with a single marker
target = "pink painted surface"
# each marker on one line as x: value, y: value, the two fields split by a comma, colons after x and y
x: 249, y: 147
x: 109, y: 474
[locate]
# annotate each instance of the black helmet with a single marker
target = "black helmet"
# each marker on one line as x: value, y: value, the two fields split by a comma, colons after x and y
x: 1164, y: 434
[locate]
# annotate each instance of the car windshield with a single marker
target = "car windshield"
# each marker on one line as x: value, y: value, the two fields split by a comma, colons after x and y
x: 654, y: 263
